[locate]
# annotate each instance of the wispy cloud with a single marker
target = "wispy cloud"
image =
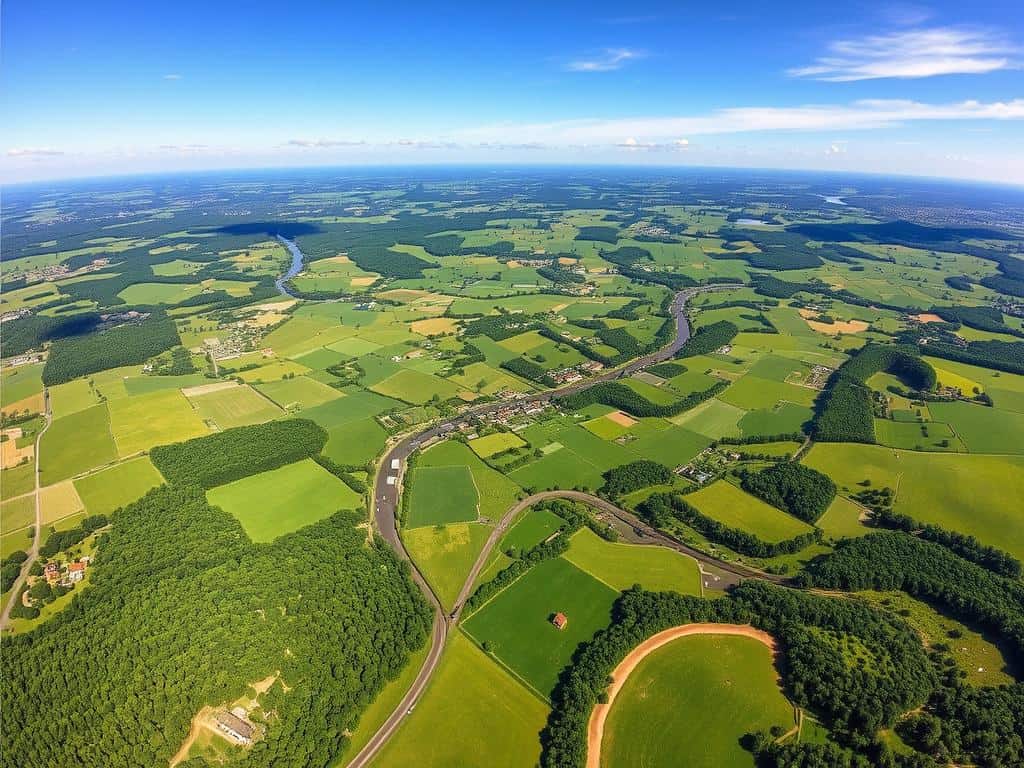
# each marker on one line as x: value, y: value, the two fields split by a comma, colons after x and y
x: 609, y: 59
x: 172, y: 76
x: 912, y: 53
x: 858, y: 115
x: 33, y: 152
x: 323, y: 143
x: 633, y: 145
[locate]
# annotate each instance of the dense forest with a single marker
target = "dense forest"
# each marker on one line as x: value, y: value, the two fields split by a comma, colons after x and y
x: 633, y: 476
x: 183, y: 611
x: 129, y: 344
x: 708, y: 339
x: 803, y: 492
x: 236, y: 453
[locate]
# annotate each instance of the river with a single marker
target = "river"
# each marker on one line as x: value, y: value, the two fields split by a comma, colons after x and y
x: 293, y: 270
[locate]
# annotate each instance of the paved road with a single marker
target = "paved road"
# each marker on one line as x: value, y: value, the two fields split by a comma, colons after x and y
x: 387, y: 487
x: 33, y: 552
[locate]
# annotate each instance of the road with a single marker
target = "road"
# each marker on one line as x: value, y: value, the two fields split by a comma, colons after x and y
x: 386, y: 497
x: 33, y: 552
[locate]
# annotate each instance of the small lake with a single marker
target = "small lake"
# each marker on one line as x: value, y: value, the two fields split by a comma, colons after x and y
x: 834, y: 199
x: 293, y: 270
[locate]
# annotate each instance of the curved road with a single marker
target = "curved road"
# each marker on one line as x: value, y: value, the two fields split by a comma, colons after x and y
x: 37, y: 540
x: 386, y: 496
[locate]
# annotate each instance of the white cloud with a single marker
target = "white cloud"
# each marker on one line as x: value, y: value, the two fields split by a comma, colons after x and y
x: 646, y: 131
x: 912, y: 53
x: 632, y: 144
x: 33, y: 152
x: 836, y: 148
x: 323, y: 143
x: 172, y: 76
x: 608, y: 60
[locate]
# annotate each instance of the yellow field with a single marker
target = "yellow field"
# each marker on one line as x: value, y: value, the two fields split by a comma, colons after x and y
x: 58, y: 501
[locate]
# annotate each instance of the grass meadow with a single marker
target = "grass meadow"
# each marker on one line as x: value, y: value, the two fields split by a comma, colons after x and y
x: 621, y: 565
x: 439, y: 495
x: 704, y: 690
x: 734, y: 507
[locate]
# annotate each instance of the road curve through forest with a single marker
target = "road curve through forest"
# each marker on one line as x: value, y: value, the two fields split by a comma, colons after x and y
x: 595, y: 726
x: 387, y: 489
x: 34, y: 551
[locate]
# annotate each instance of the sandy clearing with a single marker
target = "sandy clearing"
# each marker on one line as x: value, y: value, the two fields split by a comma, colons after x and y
x: 926, y: 317
x: 595, y: 728
x: 205, y: 389
x: 833, y: 329
x: 622, y: 419
x: 362, y: 282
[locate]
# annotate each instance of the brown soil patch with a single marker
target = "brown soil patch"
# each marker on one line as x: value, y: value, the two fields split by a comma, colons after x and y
x: 264, y: 319
x: 10, y: 454
x: 620, y: 418
x: 926, y: 317
x: 832, y: 329
x: 362, y: 282
x: 32, y: 404
x: 513, y: 264
x: 565, y: 260
x: 595, y: 728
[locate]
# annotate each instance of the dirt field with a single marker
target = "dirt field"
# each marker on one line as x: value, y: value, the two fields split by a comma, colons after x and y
x: 434, y: 325
x: 32, y: 404
x: 926, y: 317
x: 362, y: 282
x: 595, y: 728
x: 10, y: 454
x: 622, y: 419
x: 833, y: 329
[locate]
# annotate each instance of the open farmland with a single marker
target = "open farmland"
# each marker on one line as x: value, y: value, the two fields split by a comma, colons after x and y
x: 621, y: 565
x: 733, y: 507
x: 283, y: 500
x: 439, y: 495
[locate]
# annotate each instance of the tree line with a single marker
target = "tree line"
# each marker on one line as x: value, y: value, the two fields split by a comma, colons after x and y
x: 235, y: 453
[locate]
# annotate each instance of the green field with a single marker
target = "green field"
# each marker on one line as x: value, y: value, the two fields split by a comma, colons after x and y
x: 489, y: 445
x: 516, y: 624
x: 76, y: 443
x: 298, y: 393
x: 734, y: 507
x: 964, y: 492
x: 496, y: 492
x: 17, y: 480
x: 21, y: 382
x: 445, y: 555
x: 103, y: 492
x: 621, y: 565
x: 472, y: 713
x: 355, y: 442
x: 910, y: 436
x: 439, y: 495
x: 18, y: 513
x: 533, y: 527
x: 71, y: 397
x: 842, y: 520
x: 283, y: 500
x: 782, y: 419
x: 234, y: 407
x: 415, y: 387
x: 695, y: 697
x: 983, y: 430
x: 138, y: 423
x: 712, y: 419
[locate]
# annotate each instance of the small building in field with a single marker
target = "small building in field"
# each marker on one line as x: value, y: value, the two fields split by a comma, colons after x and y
x: 559, y: 620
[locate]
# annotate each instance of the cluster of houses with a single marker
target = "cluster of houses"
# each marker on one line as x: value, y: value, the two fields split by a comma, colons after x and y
x: 575, y: 373
x: 66, y: 576
x: 514, y: 410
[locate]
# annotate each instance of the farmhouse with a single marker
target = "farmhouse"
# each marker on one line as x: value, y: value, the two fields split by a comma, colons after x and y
x: 52, y: 573
x: 559, y: 620
x: 76, y: 572
x: 238, y: 730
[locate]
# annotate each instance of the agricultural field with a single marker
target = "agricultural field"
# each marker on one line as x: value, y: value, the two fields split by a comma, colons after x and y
x: 439, y: 495
x: 516, y: 625
x: 621, y: 565
x: 445, y: 554
x: 495, y: 717
x: 233, y: 406
x: 732, y: 506
x: 141, y: 422
x: 104, y: 491
x: 283, y: 500
x: 708, y: 689
x: 63, y: 451
x: 965, y: 493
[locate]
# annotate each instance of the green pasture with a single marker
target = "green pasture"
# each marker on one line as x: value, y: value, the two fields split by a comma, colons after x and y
x: 19, y: 513
x: 970, y: 493
x: 71, y: 397
x: 104, y: 491
x: 234, y: 407
x: 298, y: 393
x: 516, y: 625
x: 753, y: 392
x: 712, y: 418
x: 734, y: 507
x: 496, y: 492
x: 691, y: 701
x: 415, y: 387
x: 355, y: 442
x: 983, y: 430
x: 489, y: 445
x: 17, y: 480
x: 780, y: 419
x: 138, y: 423
x: 842, y: 520
x: 439, y: 495
x: 76, y: 443
x: 472, y: 713
x: 21, y: 382
x: 532, y: 528
x: 912, y: 435
x: 283, y: 500
x: 621, y: 565
x: 445, y: 554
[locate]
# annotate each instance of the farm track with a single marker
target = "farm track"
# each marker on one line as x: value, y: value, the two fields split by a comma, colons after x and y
x: 33, y: 553
x: 385, y: 515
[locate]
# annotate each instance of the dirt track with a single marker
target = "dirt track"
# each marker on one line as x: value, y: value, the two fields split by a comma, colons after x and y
x: 595, y: 728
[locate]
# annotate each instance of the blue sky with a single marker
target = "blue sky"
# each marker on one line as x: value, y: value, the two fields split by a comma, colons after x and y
x: 113, y: 87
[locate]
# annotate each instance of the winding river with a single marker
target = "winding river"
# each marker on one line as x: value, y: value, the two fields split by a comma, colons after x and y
x: 282, y: 282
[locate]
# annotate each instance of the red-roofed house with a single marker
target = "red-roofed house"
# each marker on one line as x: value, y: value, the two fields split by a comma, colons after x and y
x: 559, y: 620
